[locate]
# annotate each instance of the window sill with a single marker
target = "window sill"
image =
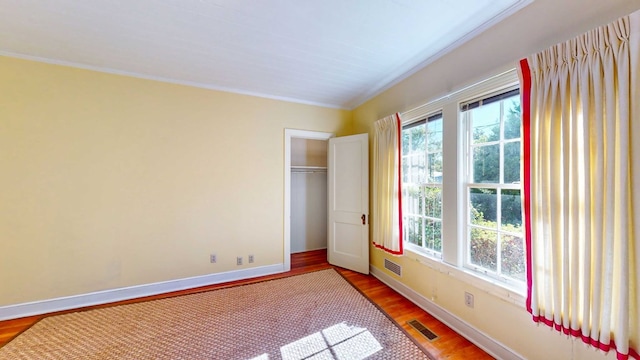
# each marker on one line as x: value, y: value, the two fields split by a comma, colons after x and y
x: 487, y: 284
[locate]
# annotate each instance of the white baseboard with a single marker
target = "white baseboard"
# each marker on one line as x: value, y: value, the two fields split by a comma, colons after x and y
x: 482, y: 340
x: 131, y: 292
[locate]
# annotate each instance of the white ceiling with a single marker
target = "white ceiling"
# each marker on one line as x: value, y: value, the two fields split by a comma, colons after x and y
x: 336, y: 53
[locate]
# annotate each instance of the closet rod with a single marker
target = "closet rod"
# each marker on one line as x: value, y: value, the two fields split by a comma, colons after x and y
x: 308, y: 171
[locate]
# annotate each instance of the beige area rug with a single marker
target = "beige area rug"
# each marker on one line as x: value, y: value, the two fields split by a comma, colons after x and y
x: 316, y: 316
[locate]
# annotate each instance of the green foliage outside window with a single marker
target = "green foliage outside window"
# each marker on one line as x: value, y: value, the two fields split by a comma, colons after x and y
x: 486, y: 164
x: 422, y: 231
x: 484, y: 239
x: 484, y: 246
x: 422, y: 170
x: 494, y: 232
x: 493, y: 241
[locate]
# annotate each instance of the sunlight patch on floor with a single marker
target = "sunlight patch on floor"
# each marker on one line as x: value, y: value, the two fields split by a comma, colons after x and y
x: 338, y: 342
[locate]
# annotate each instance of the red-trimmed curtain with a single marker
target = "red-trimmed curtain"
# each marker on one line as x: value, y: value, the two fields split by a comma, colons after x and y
x: 387, y: 185
x: 581, y: 112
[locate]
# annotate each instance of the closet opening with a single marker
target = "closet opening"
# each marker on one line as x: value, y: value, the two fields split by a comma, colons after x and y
x: 308, y: 195
x: 305, y: 204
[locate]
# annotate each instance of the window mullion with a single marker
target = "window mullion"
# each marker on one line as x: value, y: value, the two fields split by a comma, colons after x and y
x: 499, y: 232
x: 468, y: 176
x: 501, y: 142
x: 499, y: 192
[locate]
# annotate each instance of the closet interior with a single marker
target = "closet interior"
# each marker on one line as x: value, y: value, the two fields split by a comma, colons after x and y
x: 308, y: 194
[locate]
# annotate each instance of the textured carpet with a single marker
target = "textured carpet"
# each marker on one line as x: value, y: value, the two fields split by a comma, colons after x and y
x: 316, y: 316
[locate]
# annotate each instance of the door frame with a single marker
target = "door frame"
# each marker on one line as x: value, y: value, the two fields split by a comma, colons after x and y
x: 288, y: 135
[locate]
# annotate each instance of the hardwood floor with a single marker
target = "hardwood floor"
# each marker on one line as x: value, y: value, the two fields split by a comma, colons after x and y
x: 448, y: 345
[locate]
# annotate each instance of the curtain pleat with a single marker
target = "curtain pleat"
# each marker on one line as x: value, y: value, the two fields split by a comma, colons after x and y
x: 582, y: 179
x: 387, y: 192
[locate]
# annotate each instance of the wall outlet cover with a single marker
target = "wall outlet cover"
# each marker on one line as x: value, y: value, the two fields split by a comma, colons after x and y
x: 468, y: 299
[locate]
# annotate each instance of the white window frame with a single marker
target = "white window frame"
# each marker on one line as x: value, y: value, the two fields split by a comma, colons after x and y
x: 454, y: 214
x: 468, y: 171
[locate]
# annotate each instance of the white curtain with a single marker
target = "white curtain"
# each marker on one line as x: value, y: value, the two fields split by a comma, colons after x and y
x: 581, y: 106
x: 387, y: 199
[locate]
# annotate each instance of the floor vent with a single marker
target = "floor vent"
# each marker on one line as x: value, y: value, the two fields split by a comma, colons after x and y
x: 430, y: 335
x: 393, y: 267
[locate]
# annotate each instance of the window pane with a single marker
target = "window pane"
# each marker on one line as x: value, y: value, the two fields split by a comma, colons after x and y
x: 511, y: 211
x: 483, y: 209
x: 483, y: 248
x: 418, y: 168
x: 411, y: 200
x: 418, y: 139
x: 485, y: 123
x: 435, y: 168
x: 512, y: 162
x: 406, y: 141
x: 513, y: 259
x: 433, y: 235
x: 413, y: 230
x: 486, y: 164
x: 512, y: 118
x: 405, y: 168
x: 433, y: 202
x: 434, y: 129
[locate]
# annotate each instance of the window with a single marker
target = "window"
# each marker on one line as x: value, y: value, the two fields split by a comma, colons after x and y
x: 494, y: 241
x: 461, y: 186
x: 422, y: 184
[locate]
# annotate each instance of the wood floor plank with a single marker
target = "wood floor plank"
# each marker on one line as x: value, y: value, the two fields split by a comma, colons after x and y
x: 449, y: 345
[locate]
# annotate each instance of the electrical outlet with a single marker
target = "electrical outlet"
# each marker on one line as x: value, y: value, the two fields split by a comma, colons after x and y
x: 212, y: 258
x: 239, y: 260
x: 250, y: 259
x: 468, y: 299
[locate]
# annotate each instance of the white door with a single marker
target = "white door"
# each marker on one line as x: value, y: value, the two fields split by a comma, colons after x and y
x: 348, y: 203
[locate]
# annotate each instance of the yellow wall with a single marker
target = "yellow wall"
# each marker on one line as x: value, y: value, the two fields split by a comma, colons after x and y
x: 309, y: 152
x: 538, y: 26
x: 110, y: 181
